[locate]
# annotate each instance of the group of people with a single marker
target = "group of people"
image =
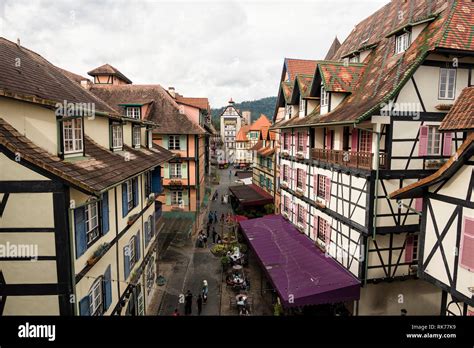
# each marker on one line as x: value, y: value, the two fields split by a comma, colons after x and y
x: 200, y: 300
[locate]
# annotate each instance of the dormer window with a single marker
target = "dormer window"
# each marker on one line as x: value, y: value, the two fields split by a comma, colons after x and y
x: 134, y: 112
x: 117, y: 136
x: 354, y: 59
x: 324, y: 96
x: 73, y: 141
x: 136, y: 137
x: 402, y: 42
x: 288, y: 110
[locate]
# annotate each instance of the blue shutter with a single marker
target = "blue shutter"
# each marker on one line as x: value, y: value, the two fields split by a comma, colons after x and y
x: 84, y: 306
x: 124, y: 200
x: 105, y: 212
x: 80, y: 230
x: 135, y: 191
x: 137, y: 245
x: 107, y: 288
x: 146, y: 233
x: 156, y: 180
x: 126, y: 262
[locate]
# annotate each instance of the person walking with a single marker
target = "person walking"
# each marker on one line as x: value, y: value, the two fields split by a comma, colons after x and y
x: 209, y: 217
x: 230, y: 174
x: 222, y: 217
x: 199, y: 304
x: 208, y: 230
x: 215, y: 216
x: 205, y: 291
x: 188, y: 303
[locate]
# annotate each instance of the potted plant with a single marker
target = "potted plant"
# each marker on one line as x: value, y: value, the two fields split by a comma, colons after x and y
x: 101, y: 250
x: 225, y: 262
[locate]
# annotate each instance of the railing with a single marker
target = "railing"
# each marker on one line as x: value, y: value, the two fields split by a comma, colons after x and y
x: 362, y: 160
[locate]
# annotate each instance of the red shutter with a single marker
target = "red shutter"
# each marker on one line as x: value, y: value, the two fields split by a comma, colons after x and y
x: 315, y: 187
x: 354, y: 139
x: 448, y: 139
x: 328, y: 189
x: 423, y: 145
x: 419, y: 204
x: 467, y: 245
x: 315, y: 229
x: 305, y: 217
x: 304, y: 180
x: 305, y: 141
x: 409, y: 248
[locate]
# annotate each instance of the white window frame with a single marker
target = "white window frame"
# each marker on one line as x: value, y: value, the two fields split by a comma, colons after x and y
x: 300, y: 137
x: 445, y: 75
x: 92, y: 222
x: 150, y: 275
x: 175, y: 171
x: 324, y: 96
x: 117, y: 136
x: 402, y: 42
x: 288, y: 110
x: 434, y: 137
x: 300, y: 217
x: 176, y: 197
x: 129, y: 185
x: 96, y: 299
x: 355, y: 58
x: 322, y: 229
x: 72, y: 134
x: 131, y: 251
x: 302, y: 106
x: 134, y: 112
x: 137, y: 136
x: 300, y: 179
x: 365, y: 141
x: 174, y: 142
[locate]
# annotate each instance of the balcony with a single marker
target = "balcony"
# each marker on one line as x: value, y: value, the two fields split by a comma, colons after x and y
x: 362, y: 160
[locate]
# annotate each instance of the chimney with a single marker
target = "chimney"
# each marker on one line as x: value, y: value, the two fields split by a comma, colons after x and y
x: 172, y: 92
x: 86, y: 84
x: 18, y: 42
x: 231, y: 102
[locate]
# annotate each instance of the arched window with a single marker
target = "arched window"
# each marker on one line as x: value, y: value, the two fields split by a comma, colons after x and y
x: 96, y: 299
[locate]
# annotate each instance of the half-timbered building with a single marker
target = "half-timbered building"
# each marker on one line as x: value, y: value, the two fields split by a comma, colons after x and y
x: 77, y: 195
x: 366, y: 122
x: 446, y: 204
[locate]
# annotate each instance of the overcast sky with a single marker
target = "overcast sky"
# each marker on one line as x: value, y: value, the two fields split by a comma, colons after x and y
x: 218, y: 49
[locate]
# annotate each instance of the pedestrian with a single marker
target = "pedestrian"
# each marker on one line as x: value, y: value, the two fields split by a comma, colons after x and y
x: 215, y: 216
x: 205, y: 291
x: 208, y: 229
x: 222, y: 217
x: 214, y: 235
x: 222, y: 199
x: 219, y: 239
x: 188, y: 303
x: 176, y: 313
x: 209, y: 217
x: 204, y: 240
x: 230, y: 174
x: 199, y: 304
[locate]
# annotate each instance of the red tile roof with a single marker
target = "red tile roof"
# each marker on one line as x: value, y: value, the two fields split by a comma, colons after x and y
x: 299, y: 66
x: 200, y: 103
x: 333, y: 49
x: 242, y: 134
x: 461, y: 115
x: 259, y: 123
x: 339, y: 77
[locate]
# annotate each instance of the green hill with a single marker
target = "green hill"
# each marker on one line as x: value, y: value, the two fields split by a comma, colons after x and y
x: 264, y: 106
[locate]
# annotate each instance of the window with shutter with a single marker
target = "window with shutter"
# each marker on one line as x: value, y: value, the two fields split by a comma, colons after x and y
x: 467, y: 244
x: 107, y: 288
x: 423, y: 143
x: 321, y: 187
x: 328, y: 189
x: 105, y: 212
x: 80, y: 230
x: 409, y: 243
x: 96, y: 298
x: 447, y: 144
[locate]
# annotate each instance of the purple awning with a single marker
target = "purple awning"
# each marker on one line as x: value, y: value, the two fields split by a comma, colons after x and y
x: 300, y: 273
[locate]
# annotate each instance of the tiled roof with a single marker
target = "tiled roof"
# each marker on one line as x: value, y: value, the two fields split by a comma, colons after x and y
x: 339, y: 77
x: 299, y: 66
x: 287, y: 88
x: 75, y: 77
x: 200, y: 103
x: 108, y: 69
x: 36, y: 80
x: 464, y: 153
x: 259, y: 123
x: 99, y: 170
x: 461, y: 115
x: 385, y: 73
x: 163, y: 108
x: 266, y: 151
x: 242, y: 134
x: 304, y: 84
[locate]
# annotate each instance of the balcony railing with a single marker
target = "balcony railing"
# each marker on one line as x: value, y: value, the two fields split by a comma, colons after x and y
x: 361, y: 160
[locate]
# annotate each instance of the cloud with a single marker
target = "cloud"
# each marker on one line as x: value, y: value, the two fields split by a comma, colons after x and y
x: 218, y: 49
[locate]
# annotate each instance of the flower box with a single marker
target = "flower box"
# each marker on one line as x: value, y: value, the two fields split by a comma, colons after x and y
x: 320, y: 204
x: 299, y: 192
x: 284, y: 154
x: 434, y: 164
x: 132, y: 219
x: 300, y: 156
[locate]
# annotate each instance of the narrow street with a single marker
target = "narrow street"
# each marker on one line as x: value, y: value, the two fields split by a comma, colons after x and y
x: 187, y: 265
